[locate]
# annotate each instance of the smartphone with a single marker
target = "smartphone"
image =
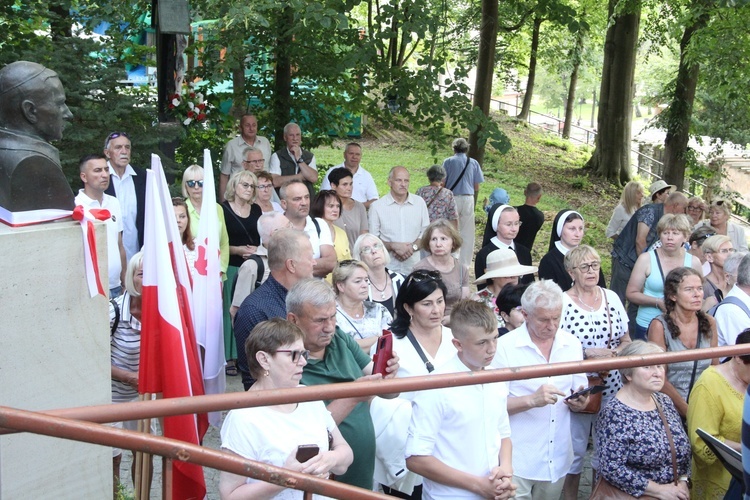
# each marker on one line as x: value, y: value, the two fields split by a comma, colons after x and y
x: 383, y: 352
x: 591, y: 389
x: 306, y: 451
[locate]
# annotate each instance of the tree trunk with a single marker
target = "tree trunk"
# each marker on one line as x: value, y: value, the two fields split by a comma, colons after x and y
x: 239, y: 96
x: 526, y: 107
x: 282, y: 87
x: 681, y: 109
x: 571, y: 101
x: 60, y: 22
x: 611, y: 157
x: 485, y: 72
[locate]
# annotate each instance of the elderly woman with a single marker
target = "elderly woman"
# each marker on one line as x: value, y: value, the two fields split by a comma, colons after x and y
x: 192, y: 190
x: 596, y: 316
x: 327, y: 206
x: 718, y: 216
x: 630, y: 201
x: 715, y: 249
x: 276, y: 356
x: 125, y: 346
x: 361, y: 319
x: 731, y: 267
x: 241, y: 216
x: 384, y: 284
x: 634, y: 450
x: 567, y: 233
x: 502, y: 269
x: 695, y: 242
x: 716, y: 407
x: 265, y: 192
x: 695, y: 209
x: 353, y: 219
x: 441, y: 240
x: 683, y: 326
x: 440, y: 201
x: 646, y: 285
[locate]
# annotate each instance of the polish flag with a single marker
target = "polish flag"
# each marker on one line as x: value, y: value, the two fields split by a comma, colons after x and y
x: 169, y: 355
x: 208, y: 315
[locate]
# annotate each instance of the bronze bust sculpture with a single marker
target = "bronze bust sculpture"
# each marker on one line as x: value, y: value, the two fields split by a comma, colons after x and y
x: 32, y: 114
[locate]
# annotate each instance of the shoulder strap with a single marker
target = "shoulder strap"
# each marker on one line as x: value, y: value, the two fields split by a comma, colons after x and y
x: 730, y: 300
x: 669, y: 438
x: 434, y: 197
x: 468, y: 159
x: 261, y: 269
x: 317, y: 226
x: 419, y: 350
x: 237, y: 218
x: 609, y: 317
x: 658, y: 263
x: 116, y: 322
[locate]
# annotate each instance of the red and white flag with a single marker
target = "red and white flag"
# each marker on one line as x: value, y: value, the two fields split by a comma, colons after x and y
x: 208, y: 315
x: 169, y: 363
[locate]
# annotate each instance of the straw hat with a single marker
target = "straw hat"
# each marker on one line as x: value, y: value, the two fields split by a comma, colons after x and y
x: 503, y: 263
x: 658, y: 186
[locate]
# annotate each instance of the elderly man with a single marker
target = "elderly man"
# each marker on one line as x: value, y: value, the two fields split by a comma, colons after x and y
x: 463, y: 176
x: 295, y: 200
x: 539, y: 414
x: 32, y: 114
x: 128, y: 185
x: 336, y: 357
x: 399, y: 218
x: 364, y: 189
x: 505, y: 222
x: 733, y: 313
x: 290, y: 260
x: 94, y: 173
x: 293, y: 162
x: 254, y: 271
x: 233, y: 158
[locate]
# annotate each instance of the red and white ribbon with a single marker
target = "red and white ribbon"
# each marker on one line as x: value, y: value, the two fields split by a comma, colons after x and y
x: 87, y: 217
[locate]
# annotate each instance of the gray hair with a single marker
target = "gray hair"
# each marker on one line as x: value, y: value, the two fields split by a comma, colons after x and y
x: 285, y: 186
x: 460, y: 145
x: 543, y: 294
x: 636, y: 348
x: 284, y: 245
x: 743, y: 272
x: 290, y: 126
x: 357, y: 248
x: 436, y: 173
x: 732, y: 263
x: 251, y: 149
x: 312, y: 291
x: 267, y: 226
x: 135, y: 263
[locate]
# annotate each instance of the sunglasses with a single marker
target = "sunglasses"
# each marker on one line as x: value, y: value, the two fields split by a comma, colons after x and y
x: 192, y: 184
x: 296, y: 354
x: 115, y: 135
x: 423, y: 275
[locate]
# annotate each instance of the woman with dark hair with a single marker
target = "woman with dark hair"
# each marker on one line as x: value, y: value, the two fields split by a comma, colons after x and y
x: 508, y: 304
x: 327, y: 206
x: 353, y: 219
x: 567, y: 233
x: 276, y: 355
x: 716, y: 407
x: 682, y: 327
x: 183, y: 225
x: 440, y: 201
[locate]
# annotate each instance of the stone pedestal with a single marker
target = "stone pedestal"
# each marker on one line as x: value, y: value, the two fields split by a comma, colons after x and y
x: 54, y: 353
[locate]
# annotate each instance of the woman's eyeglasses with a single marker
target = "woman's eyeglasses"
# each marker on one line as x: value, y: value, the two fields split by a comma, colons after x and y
x: 369, y: 250
x: 594, y: 266
x: 247, y: 185
x: 296, y: 354
x: 263, y: 187
x: 192, y: 184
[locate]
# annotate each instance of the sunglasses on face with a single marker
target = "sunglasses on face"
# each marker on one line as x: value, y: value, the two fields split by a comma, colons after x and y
x: 192, y: 184
x: 296, y: 354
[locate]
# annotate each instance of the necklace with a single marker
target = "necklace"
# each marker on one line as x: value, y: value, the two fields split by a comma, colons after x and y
x: 382, y: 292
x: 355, y: 315
x: 596, y: 299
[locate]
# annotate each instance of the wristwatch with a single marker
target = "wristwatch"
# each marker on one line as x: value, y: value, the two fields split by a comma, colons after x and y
x: 300, y: 160
x: 414, y: 247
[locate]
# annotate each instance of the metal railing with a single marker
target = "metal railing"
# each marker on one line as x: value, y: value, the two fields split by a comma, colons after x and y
x: 78, y: 423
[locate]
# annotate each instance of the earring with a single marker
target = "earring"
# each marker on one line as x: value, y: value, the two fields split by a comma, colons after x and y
x: 266, y: 374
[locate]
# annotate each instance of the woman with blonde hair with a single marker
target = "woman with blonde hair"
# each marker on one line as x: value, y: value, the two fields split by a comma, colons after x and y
x: 716, y: 249
x: 695, y: 209
x: 718, y: 216
x: 630, y: 201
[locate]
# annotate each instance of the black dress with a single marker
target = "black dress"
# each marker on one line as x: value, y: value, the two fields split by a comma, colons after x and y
x: 241, y: 230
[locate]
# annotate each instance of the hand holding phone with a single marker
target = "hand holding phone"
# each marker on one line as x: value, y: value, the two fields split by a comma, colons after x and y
x: 306, y: 451
x: 594, y: 389
x: 383, y: 352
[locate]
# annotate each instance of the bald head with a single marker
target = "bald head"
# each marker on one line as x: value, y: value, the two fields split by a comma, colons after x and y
x: 676, y: 203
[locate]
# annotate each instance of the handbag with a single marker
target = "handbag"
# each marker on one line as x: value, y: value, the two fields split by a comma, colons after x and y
x: 595, y: 400
x: 603, y: 489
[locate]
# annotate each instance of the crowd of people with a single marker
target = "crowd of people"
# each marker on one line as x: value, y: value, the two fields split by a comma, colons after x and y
x: 314, y: 280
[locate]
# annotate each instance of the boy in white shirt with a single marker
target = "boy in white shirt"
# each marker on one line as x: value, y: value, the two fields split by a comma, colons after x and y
x: 459, y: 437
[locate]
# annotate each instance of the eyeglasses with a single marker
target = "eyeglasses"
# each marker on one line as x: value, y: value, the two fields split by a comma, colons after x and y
x: 423, y: 275
x: 512, y: 224
x: 694, y: 209
x: 369, y: 250
x: 115, y: 135
x: 296, y: 354
x: 594, y: 266
x: 263, y: 187
x: 192, y: 184
x: 247, y: 185
x: 727, y: 250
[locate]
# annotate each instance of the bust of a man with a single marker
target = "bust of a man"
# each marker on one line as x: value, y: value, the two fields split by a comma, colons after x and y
x: 32, y: 114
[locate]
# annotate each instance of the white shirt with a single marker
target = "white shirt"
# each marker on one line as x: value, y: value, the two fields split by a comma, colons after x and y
x: 125, y: 191
x: 462, y: 427
x: 542, y: 447
x: 364, y: 188
x: 499, y: 244
x: 400, y: 223
x: 315, y: 240
x: 731, y: 320
x: 274, y: 166
x: 114, y: 228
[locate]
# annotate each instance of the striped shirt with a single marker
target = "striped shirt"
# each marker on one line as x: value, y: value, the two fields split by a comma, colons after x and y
x: 125, y: 344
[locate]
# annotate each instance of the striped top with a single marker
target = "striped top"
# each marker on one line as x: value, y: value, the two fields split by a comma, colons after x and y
x: 125, y: 344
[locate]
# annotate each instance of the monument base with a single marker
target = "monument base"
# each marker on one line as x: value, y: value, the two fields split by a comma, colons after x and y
x: 55, y: 354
